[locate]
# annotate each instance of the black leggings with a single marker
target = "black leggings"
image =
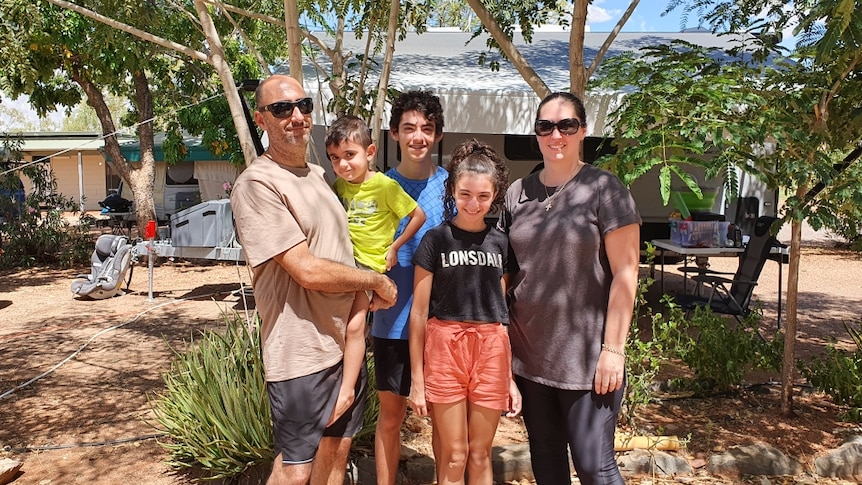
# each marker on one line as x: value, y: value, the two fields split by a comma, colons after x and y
x: 583, y: 420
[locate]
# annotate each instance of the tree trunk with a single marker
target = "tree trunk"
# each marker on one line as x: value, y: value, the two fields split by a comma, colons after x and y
x: 577, y: 72
x: 389, y: 53
x: 216, y: 58
x: 143, y: 179
x: 139, y: 179
x: 788, y: 365
x: 511, y: 52
x: 294, y: 39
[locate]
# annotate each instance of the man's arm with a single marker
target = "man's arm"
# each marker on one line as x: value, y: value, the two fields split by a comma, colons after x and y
x: 417, y: 218
x: 319, y: 274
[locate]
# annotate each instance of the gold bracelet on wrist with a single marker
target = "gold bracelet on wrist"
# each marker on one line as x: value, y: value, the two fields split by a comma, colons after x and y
x: 613, y: 350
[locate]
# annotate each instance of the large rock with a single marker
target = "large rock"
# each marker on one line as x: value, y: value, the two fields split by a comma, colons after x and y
x: 844, y: 462
x: 753, y: 460
x: 659, y: 463
x: 511, y: 463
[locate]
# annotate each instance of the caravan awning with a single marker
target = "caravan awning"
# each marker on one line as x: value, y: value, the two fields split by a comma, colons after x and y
x: 196, y: 151
x: 478, y: 100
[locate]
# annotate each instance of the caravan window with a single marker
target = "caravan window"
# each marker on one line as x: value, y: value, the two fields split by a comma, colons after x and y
x: 181, y: 174
x: 525, y: 147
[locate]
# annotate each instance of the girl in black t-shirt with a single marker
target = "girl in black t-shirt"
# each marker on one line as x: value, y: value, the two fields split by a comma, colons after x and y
x: 461, y: 360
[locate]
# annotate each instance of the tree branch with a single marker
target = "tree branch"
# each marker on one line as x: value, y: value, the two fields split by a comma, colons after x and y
x: 823, y: 114
x: 188, y: 14
x: 249, y: 44
x: 509, y: 49
x: 131, y: 30
x: 246, y: 13
x: 611, y: 37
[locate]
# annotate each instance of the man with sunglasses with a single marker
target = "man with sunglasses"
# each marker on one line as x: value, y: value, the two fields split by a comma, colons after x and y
x: 294, y: 234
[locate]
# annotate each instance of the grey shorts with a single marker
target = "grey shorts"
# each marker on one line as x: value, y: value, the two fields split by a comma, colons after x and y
x: 302, y: 406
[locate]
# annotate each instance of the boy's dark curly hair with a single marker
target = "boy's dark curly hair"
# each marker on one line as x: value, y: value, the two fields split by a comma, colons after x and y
x: 477, y: 157
x: 424, y: 102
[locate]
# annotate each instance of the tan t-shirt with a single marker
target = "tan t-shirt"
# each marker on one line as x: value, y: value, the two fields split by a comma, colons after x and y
x: 276, y: 208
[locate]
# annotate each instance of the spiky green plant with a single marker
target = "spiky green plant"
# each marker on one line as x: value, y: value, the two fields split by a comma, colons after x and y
x: 365, y: 436
x: 215, y: 409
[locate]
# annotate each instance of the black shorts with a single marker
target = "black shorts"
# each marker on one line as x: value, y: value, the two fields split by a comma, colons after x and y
x: 392, y: 365
x: 302, y: 406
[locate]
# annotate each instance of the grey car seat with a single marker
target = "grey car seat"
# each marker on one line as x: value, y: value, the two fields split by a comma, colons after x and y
x: 110, y: 262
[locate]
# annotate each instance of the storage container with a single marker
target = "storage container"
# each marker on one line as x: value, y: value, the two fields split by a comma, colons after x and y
x: 209, y: 224
x: 700, y: 234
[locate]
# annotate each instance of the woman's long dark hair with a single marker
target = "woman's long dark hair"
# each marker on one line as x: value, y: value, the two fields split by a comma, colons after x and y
x: 580, y: 110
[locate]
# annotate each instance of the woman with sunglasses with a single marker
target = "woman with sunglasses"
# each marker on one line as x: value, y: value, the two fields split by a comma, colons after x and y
x: 574, y: 231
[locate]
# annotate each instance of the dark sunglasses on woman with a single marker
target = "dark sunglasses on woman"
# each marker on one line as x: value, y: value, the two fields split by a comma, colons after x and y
x: 284, y: 109
x: 568, y: 126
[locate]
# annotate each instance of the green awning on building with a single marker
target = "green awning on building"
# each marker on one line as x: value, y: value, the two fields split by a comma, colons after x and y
x: 196, y: 150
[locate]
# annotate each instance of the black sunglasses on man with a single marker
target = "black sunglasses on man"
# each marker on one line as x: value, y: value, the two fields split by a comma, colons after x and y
x: 284, y: 109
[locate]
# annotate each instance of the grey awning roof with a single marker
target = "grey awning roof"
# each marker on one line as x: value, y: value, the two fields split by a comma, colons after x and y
x: 477, y: 100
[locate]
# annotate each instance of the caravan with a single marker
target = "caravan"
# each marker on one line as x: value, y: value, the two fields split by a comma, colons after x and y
x: 201, y: 177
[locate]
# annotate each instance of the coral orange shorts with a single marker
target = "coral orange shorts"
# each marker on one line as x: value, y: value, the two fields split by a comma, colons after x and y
x: 470, y: 361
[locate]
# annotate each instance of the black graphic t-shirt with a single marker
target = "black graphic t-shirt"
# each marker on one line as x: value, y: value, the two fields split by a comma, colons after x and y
x: 467, y: 268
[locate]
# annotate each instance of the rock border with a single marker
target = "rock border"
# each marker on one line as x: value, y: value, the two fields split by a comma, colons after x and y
x: 511, y: 463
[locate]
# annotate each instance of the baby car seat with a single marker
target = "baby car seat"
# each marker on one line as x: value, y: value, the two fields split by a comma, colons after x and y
x: 110, y: 262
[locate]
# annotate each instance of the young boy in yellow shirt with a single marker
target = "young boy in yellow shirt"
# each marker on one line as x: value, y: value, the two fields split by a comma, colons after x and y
x: 375, y: 203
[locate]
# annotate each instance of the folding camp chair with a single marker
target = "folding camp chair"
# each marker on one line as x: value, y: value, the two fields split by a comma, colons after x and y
x: 733, y: 296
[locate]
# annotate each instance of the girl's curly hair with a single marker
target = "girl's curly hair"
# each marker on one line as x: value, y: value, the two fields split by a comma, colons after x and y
x: 477, y: 157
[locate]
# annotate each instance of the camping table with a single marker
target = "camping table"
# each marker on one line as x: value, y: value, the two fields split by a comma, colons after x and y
x: 666, y: 245
x: 777, y: 253
x: 120, y: 223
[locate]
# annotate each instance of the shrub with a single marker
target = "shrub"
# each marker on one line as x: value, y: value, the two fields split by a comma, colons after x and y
x: 643, y: 357
x: 718, y: 353
x: 33, y: 230
x: 215, y: 407
x: 838, y: 373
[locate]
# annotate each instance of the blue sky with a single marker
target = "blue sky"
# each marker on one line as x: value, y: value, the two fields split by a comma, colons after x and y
x: 604, y: 14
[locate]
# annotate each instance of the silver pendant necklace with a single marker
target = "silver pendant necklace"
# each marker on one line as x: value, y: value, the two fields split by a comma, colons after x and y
x: 550, y: 197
